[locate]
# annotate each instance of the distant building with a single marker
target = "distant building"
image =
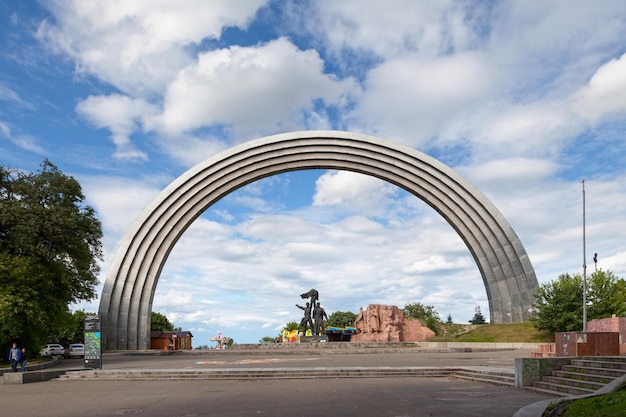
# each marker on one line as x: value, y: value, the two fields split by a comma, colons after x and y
x: 171, y: 340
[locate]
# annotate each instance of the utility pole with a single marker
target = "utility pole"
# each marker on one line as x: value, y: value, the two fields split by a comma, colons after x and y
x: 584, y: 267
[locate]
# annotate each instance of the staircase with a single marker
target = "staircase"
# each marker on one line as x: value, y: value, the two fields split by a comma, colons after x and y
x: 486, y: 376
x: 583, y: 375
x: 489, y: 376
x: 253, y: 373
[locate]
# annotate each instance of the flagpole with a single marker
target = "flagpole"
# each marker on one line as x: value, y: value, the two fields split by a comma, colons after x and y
x: 584, y: 267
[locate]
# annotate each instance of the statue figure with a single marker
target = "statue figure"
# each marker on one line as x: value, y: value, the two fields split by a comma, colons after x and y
x: 359, y: 323
x: 373, y: 321
x: 318, y: 316
x: 313, y: 294
x: 307, y: 317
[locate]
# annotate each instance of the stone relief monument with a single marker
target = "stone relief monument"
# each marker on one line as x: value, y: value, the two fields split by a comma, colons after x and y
x: 383, y: 323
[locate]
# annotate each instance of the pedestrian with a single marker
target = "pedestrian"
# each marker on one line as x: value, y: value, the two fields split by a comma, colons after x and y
x: 24, y: 359
x: 14, y: 356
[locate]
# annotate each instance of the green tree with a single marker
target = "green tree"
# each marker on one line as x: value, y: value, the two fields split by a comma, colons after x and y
x: 426, y: 313
x: 49, y: 252
x: 606, y: 295
x: 160, y: 323
x: 266, y: 340
x: 478, y: 317
x: 449, y: 319
x: 292, y: 325
x: 72, y: 328
x: 558, y: 305
x: 341, y: 319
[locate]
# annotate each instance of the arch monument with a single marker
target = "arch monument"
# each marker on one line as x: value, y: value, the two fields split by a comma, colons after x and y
x: 126, y: 301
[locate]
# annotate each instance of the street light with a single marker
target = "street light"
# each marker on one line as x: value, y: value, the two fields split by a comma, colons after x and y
x: 584, y: 267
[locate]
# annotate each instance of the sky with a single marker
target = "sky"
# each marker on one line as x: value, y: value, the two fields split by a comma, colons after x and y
x: 525, y: 99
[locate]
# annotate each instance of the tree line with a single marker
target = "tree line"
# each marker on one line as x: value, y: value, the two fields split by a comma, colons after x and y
x: 50, y: 253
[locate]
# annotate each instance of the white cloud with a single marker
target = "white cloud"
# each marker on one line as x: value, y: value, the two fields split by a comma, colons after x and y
x: 503, y: 129
x: 510, y: 173
x: 119, y: 200
x: 120, y: 114
x: 7, y: 94
x: 252, y: 89
x: 350, y: 190
x: 136, y: 48
x: 25, y: 142
x: 426, y: 94
x: 605, y: 94
x: 189, y: 149
x: 391, y: 28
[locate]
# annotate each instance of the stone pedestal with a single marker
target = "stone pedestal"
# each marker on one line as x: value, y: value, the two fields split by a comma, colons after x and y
x: 313, y: 339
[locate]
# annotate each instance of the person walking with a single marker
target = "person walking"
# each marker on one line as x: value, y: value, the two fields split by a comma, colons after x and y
x: 24, y: 359
x: 14, y: 356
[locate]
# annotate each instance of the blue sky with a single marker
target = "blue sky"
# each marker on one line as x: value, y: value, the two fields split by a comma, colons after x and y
x: 524, y: 98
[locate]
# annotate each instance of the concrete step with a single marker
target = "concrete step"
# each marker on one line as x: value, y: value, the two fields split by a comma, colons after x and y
x: 621, y: 359
x: 494, y: 378
x: 564, y: 390
x: 610, y: 363
x: 547, y: 391
x: 603, y: 379
x: 584, y: 375
x: 240, y: 374
x: 570, y: 382
x: 581, y: 369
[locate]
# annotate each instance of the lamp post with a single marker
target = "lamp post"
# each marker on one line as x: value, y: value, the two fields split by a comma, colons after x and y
x: 584, y: 267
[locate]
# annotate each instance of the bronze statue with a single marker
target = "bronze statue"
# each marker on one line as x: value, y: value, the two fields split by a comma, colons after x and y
x: 307, y: 317
x: 319, y: 314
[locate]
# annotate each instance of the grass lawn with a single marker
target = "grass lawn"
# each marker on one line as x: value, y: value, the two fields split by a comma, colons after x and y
x: 506, y: 333
x: 609, y: 405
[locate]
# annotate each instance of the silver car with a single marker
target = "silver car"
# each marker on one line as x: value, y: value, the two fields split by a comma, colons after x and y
x: 53, y: 349
x: 75, y: 350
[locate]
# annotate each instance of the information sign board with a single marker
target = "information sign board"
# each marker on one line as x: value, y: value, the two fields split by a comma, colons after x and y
x: 93, y: 345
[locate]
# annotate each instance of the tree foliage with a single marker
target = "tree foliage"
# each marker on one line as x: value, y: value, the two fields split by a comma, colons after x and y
x: 266, y: 340
x: 478, y: 317
x: 426, y: 313
x: 606, y: 295
x: 559, y: 304
x: 160, y: 323
x: 292, y: 325
x: 71, y: 328
x: 49, y: 252
x: 341, y: 319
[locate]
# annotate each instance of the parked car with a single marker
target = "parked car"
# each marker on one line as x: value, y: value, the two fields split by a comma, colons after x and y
x: 53, y: 349
x: 75, y: 350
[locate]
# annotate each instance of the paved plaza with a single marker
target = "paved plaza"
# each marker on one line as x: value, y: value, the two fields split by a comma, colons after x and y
x: 405, y: 396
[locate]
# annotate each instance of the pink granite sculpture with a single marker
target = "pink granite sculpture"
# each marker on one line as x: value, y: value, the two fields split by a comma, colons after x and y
x: 383, y: 323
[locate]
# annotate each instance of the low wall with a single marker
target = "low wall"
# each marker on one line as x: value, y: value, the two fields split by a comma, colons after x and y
x: 469, y: 346
x: 35, y: 367
x: 12, y: 378
x: 529, y: 370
